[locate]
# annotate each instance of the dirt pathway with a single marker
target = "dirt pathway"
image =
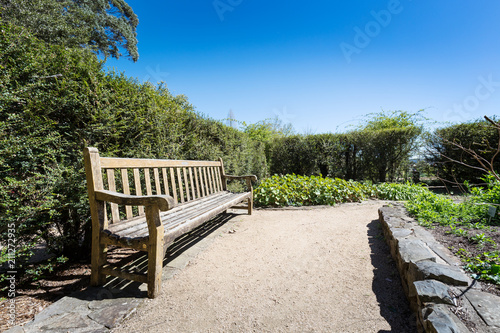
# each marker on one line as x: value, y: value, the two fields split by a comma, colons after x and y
x: 319, y: 270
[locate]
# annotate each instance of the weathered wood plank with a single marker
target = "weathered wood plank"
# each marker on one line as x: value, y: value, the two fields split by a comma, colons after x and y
x: 116, y: 240
x: 217, y: 176
x: 98, y: 213
x: 173, y: 218
x: 179, y: 182
x: 115, y: 213
x: 195, y: 222
x: 165, y: 181
x: 138, y: 188
x: 174, y: 188
x: 202, y: 182
x: 223, y: 179
x: 193, y: 186
x: 126, y: 190
x: 186, y: 184
x: 181, y: 213
x: 164, y: 202
x: 147, y: 178
x: 155, y: 250
x: 118, y: 228
x: 157, y: 181
x: 108, y: 270
x: 196, y: 180
x: 212, y: 183
x: 130, y: 163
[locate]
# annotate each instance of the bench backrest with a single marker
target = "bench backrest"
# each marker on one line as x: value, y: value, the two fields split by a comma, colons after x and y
x: 183, y: 180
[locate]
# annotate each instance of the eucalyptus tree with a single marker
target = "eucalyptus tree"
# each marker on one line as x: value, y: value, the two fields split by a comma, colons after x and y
x: 107, y: 27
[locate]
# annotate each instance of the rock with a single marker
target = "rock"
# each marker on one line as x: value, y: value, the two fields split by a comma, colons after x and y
x: 401, y: 233
x: 439, y: 319
x: 110, y: 311
x: 414, y: 250
x: 444, y: 273
x: 486, y: 305
x: 432, y: 291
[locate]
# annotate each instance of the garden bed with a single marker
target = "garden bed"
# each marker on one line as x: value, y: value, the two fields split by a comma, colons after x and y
x: 465, y: 247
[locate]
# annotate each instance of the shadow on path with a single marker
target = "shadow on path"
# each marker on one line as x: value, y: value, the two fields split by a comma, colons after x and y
x: 386, y: 284
x: 137, y: 261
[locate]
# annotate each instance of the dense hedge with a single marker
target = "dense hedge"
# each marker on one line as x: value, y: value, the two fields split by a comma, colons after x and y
x: 376, y: 155
x: 478, y: 135
x: 54, y: 102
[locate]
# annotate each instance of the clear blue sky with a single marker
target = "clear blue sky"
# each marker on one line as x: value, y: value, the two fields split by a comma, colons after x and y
x: 322, y: 65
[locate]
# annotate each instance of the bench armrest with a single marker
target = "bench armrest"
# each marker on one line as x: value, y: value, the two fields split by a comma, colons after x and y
x: 250, y: 177
x: 164, y: 202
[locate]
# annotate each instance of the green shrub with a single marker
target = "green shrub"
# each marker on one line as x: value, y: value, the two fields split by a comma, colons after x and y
x: 478, y: 135
x: 294, y: 190
x: 395, y: 191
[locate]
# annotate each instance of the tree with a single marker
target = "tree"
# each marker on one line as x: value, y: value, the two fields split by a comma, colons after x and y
x: 268, y: 129
x: 104, y: 26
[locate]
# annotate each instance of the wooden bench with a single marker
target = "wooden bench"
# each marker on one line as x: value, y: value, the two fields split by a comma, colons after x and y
x: 179, y: 196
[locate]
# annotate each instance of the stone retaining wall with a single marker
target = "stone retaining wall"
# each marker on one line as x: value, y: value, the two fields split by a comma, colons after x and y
x: 441, y: 295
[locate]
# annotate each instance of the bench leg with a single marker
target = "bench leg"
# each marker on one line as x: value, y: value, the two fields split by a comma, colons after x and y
x: 155, y: 252
x: 155, y: 266
x: 99, y: 259
x: 250, y: 205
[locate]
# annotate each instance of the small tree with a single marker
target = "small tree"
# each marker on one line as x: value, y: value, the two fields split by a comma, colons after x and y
x: 104, y: 26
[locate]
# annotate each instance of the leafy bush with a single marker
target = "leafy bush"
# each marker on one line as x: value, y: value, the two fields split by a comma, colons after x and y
x: 395, y: 191
x: 294, y: 190
x: 431, y: 208
x: 478, y: 135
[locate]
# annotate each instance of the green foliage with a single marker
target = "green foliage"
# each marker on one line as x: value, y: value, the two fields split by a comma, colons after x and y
x: 267, y: 130
x: 387, y: 140
x: 295, y: 190
x: 104, y: 26
x: 431, y: 208
x: 47, y: 120
x: 485, y: 266
x: 489, y: 194
x: 450, y: 161
x: 470, y: 214
x: 400, y: 192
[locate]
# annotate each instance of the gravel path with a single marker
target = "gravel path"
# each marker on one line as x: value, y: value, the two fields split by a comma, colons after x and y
x: 318, y: 270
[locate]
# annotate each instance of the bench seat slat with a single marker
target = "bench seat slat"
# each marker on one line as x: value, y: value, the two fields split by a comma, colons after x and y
x: 131, y: 223
x: 137, y: 228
